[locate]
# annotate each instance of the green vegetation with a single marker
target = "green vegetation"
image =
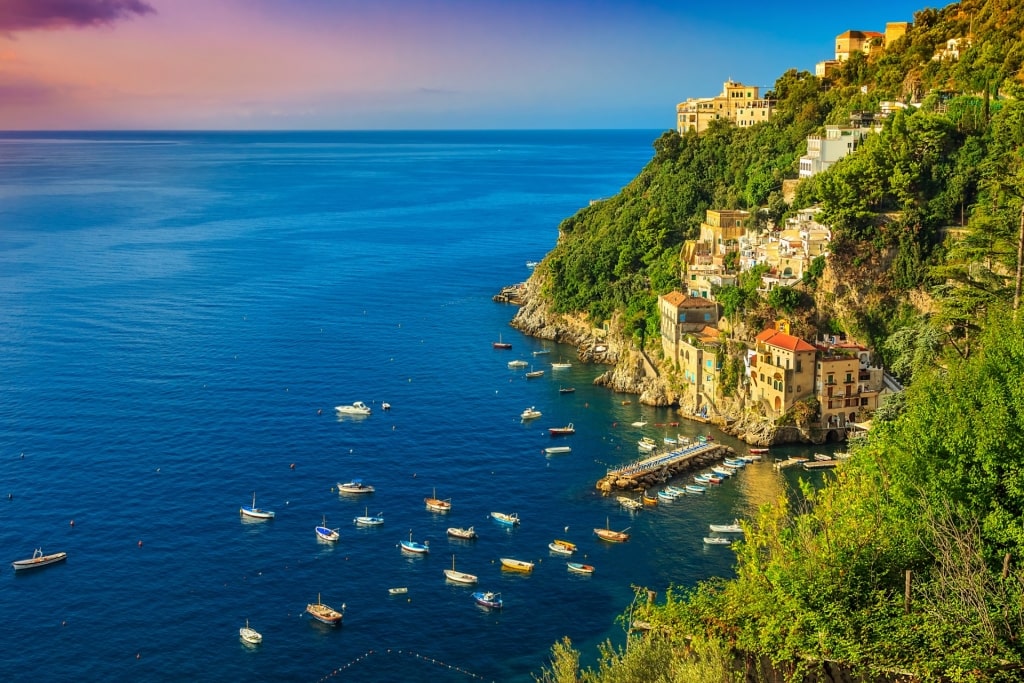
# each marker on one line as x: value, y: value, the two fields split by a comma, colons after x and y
x: 931, y: 206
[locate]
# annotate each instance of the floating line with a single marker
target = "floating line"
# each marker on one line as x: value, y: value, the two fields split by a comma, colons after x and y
x: 409, y: 653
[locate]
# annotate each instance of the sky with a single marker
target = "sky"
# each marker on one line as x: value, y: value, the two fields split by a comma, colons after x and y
x: 399, y: 64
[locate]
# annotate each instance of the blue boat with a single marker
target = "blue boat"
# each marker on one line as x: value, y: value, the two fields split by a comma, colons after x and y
x: 667, y: 495
x: 488, y: 599
x: 414, y: 547
x: 694, y: 488
x: 506, y: 519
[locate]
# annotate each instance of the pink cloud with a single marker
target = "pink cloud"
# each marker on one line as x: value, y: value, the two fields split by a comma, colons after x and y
x: 27, y: 15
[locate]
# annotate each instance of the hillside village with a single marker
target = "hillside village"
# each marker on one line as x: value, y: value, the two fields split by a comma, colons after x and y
x: 837, y: 377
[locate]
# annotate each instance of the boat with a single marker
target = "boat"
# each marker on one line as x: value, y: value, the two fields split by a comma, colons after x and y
x: 534, y: 374
x: 516, y: 364
x: 255, y: 512
x: 399, y: 590
x: 324, y: 613
x: 629, y: 503
x: 457, y: 576
x: 250, y: 635
x: 561, y: 431
x: 532, y: 264
x: 357, y: 408
x: 667, y: 496
x: 459, y: 532
x: 566, y: 390
x: 436, y: 504
x: 580, y: 568
x: 675, y: 490
x: 736, y: 463
x: 733, y: 528
x: 607, y: 534
x: 758, y: 450
x: 560, y: 365
x: 646, y: 443
x: 501, y: 344
x: 557, y: 547
x: 554, y: 450
x: 542, y: 352
x: 638, y: 423
x: 789, y: 462
x: 516, y: 565
x: 355, y: 486
x: 488, y: 599
x: 325, y: 533
x: 750, y: 457
x: 648, y: 499
x: 38, y: 560
x: 670, y: 440
x: 822, y: 457
x: 505, y: 518
x: 723, y: 471
x: 695, y: 488
x: 571, y: 547
x: 716, y: 540
x: 415, y: 547
x: 366, y: 519
x: 530, y: 413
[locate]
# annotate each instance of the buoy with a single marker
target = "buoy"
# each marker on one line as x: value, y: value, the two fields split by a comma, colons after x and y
x: 140, y: 544
x: 292, y: 466
x: 63, y: 623
x: 72, y: 522
x: 319, y: 411
x: 138, y: 655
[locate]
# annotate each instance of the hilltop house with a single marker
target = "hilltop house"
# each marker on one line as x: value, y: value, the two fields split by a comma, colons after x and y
x: 822, y: 152
x: 741, y: 104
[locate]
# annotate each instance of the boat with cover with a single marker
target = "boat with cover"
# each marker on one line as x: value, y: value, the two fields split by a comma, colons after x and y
x: 398, y: 590
x: 324, y: 613
x: 566, y: 390
x: 250, y: 635
x: 716, y: 540
x: 561, y: 549
x: 459, y: 532
x: 534, y: 374
x: 366, y: 519
x: 357, y: 408
x: 38, y: 559
x: 436, y: 504
x: 415, y: 547
x: 608, y: 534
x: 255, y: 512
x: 733, y: 528
x: 488, y: 599
x: 580, y: 568
x: 516, y: 364
x: 530, y: 414
x: 631, y: 504
x: 457, y: 576
x: 355, y: 486
x: 516, y: 565
x: 554, y: 450
x: 561, y: 431
x: 508, y: 519
x: 325, y: 533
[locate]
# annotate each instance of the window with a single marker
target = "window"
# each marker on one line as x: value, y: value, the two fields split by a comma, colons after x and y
x: 849, y: 378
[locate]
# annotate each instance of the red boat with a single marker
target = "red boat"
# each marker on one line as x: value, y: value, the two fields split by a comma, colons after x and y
x: 560, y: 431
x: 501, y: 344
x: 758, y: 450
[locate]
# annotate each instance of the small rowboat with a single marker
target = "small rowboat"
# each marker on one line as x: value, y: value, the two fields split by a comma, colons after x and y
x: 415, y: 547
x: 695, y: 488
x: 560, y: 549
x: 555, y: 450
x: 488, y: 599
x: 255, y: 512
x: 400, y: 590
x: 667, y: 496
x: 250, y: 635
x: 516, y: 565
x: 457, y: 576
x: 367, y: 519
x: 733, y: 528
x: 325, y: 533
x: 758, y: 450
x: 580, y: 568
x: 324, y: 613
x: 459, y: 532
x: 649, y: 499
x: 38, y: 560
x: 716, y: 540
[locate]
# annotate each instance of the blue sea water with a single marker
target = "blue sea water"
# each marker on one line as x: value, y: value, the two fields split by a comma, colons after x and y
x: 180, y: 313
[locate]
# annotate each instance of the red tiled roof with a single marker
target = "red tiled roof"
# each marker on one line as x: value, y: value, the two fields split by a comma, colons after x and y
x: 680, y: 300
x: 784, y: 341
x: 674, y: 298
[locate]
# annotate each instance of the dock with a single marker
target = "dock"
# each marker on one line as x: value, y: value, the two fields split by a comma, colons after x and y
x: 511, y: 294
x: 820, y: 464
x: 628, y: 476
x: 789, y: 462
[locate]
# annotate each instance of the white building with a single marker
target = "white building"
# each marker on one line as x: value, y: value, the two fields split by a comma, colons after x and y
x: 822, y: 152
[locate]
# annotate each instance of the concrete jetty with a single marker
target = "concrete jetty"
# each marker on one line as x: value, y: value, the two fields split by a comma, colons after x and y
x: 661, y: 466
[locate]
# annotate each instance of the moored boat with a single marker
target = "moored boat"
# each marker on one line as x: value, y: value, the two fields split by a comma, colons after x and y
x: 516, y: 565
x: 508, y: 519
x: 38, y: 559
x: 357, y: 408
x: 255, y: 512
x: 250, y: 635
x: 554, y: 450
x: 516, y: 364
x: 435, y: 504
x: 629, y: 503
x: 530, y: 414
x: 398, y: 590
x: 459, y: 532
x: 355, y: 486
x: 501, y: 344
x: 560, y: 549
x: 325, y: 533
x: 561, y: 365
x: 561, y: 431
x: 457, y: 576
x: 534, y: 374
x: 646, y: 443
x: 566, y: 390
x: 366, y: 519
x: 733, y: 528
x: 488, y: 599
x: 716, y: 540
x: 324, y: 613
x: 608, y: 534
x: 649, y: 499
x: 758, y: 451
x: 695, y: 488
x: 414, y: 546
x: 580, y: 568
x: 667, y: 496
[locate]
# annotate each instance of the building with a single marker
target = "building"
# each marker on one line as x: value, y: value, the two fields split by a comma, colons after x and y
x: 894, y: 30
x: 951, y: 50
x: 681, y: 314
x: 701, y: 358
x: 782, y: 370
x: 722, y: 229
x: 865, y: 42
x: 825, y: 68
x: 741, y: 104
x: 822, y: 152
x: 847, y: 386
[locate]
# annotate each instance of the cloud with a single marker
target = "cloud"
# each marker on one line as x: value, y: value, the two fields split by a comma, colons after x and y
x: 28, y: 15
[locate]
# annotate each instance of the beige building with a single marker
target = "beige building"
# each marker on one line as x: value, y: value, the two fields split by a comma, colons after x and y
x: 741, y: 104
x: 701, y: 358
x: 847, y: 389
x: 722, y: 229
x: 781, y: 371
x: 866, y: 42
x: 894, y: 30
x: 682, y: 314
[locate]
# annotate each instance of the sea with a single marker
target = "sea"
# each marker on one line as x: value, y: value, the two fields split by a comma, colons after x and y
x: 180, y: 313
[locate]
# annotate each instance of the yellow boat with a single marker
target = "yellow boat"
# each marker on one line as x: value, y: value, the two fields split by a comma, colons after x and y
x: 516, y: 565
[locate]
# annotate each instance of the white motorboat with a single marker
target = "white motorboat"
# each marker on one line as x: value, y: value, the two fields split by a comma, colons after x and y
x: 530, y: 413
x: 354, y: 486
x: 357, y: 408
x: 250, y: 635
x: 255, y: 512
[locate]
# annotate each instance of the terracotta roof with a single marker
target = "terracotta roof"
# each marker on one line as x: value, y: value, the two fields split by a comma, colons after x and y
x: 680, y: 300
x: 674, y: 298
x: 784, y: 341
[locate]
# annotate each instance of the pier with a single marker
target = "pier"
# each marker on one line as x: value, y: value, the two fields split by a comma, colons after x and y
x: 661, y: 466
x: 511, y: 294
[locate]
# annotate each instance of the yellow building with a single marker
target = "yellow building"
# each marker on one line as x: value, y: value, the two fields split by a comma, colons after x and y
x: 741, y: 104
x: 850, y: 42
x: 681, y: 314
x: 701, y: 358
x: 722, y: 229
x: 782, y: 371
x: 847, y: 388
x: 894, y: 30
